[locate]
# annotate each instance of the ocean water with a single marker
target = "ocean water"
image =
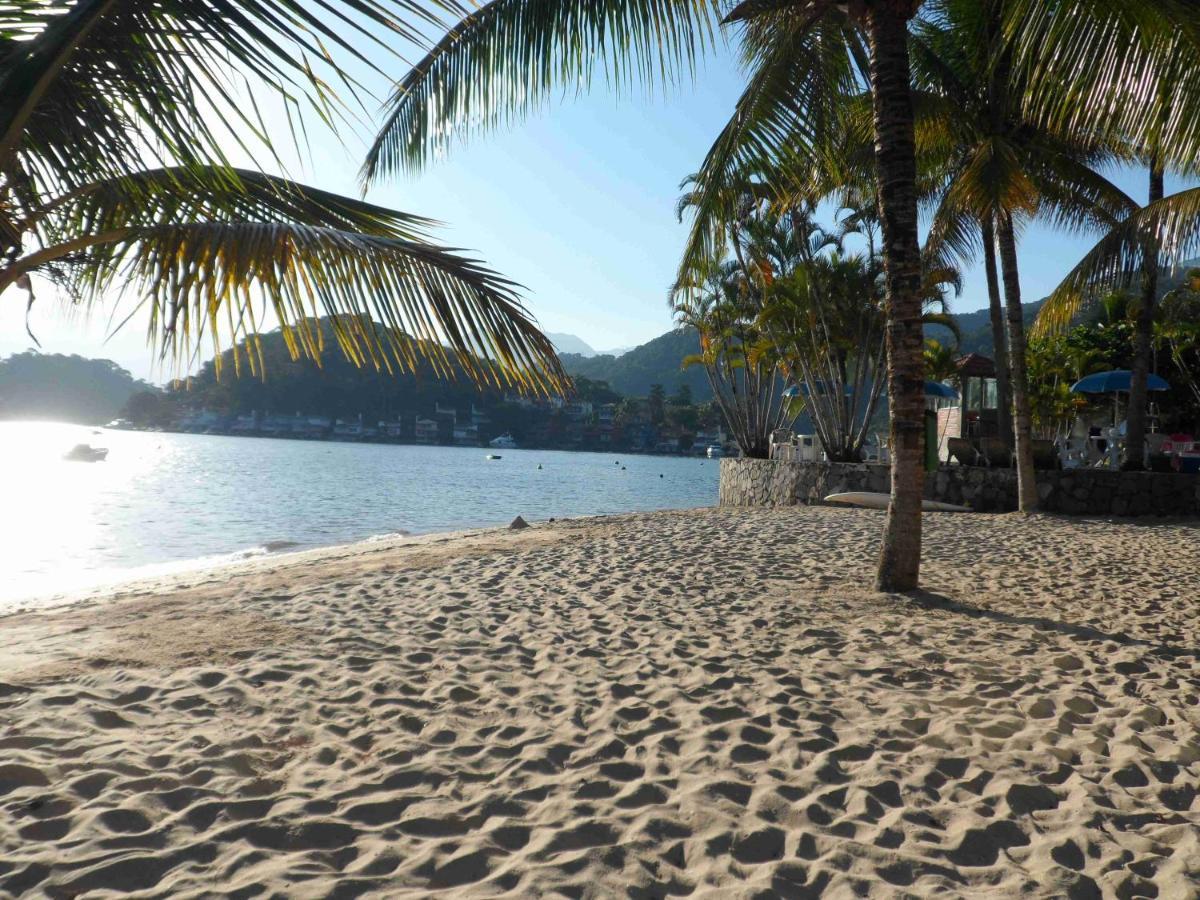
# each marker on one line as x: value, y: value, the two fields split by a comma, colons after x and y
x: 170, y: 501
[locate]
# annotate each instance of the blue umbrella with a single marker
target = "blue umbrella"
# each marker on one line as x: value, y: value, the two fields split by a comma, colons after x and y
x: 1116, y: 380
x: 937, y: 389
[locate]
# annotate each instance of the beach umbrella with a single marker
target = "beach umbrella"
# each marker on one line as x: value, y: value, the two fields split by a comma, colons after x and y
x: 1114, y: 381
x: 937, y: 389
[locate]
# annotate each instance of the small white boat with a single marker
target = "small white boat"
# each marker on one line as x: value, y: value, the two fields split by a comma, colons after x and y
x: 86, y: 453
x: 494, y: 456
x: 872, y: 500
x: 714, y: 451
x: 504, y: 442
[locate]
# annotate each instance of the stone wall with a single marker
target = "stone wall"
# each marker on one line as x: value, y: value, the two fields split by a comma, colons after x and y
x: 1099, y: 492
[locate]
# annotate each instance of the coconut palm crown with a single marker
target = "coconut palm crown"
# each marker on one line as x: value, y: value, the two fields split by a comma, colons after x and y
x: 118, y: 123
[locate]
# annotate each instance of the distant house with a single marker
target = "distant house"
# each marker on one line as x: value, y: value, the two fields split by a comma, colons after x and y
x: 394, y: 430
x: 578, y: 410
x: 466, y: 436
x: 425, y: 430
x: 200, y: 420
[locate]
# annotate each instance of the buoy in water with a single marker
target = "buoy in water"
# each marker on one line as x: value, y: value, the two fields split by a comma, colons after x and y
x: 539, y: 465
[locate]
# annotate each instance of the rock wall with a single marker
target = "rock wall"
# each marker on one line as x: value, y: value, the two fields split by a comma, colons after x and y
x: 1099, y: 492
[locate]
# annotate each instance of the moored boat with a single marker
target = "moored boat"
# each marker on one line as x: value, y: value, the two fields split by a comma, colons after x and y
x: 86, y: 453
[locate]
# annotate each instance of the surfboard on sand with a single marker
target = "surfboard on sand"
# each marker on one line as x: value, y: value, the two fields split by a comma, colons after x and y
x: 872, y: 500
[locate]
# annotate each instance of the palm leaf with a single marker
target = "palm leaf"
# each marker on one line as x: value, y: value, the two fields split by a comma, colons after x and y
x: 1124, y: 70
x: 391, y: 301
x: 1117, y: 259
x: 784, y: 121
x: 169, y: 78
x: 508, y: 58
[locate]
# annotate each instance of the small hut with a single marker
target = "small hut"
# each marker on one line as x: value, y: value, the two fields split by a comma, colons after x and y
x: 979, y: 416
x: 975, y: 416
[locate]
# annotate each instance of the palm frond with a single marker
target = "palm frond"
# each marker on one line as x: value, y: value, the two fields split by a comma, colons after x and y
x: 1117, y: 259
x: 785, y: 120
x: 509, y: 57
x: 1125, y: 70
x: 391, y: 301
x: 183, y: 194
x: 170, y: 79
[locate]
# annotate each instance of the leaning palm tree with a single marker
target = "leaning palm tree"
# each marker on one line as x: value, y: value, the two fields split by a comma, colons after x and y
x: 1145, y: 91
x: 116, y: 123
x: 802, y: 56
x: 1000, y: 169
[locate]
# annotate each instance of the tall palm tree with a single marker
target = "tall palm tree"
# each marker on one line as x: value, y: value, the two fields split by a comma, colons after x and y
x: 115, y: 119
x: 1000, y: 169
x: 803, y: 56
x: 1146, y: 94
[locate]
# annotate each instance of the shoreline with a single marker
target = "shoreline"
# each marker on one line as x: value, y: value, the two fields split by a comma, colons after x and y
x: 708, y: 703
x: 182, y: 574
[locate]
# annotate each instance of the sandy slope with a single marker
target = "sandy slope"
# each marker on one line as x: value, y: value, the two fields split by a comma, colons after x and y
x: 682, y: 704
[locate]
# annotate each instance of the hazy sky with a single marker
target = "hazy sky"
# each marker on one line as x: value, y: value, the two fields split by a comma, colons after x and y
x: 576, y: 204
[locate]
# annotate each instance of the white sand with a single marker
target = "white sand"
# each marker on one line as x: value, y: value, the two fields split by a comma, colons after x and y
x: 703, y: 704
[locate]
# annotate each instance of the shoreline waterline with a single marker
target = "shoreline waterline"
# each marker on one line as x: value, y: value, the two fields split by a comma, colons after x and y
x: 185, y: 574
x: 161, y: 502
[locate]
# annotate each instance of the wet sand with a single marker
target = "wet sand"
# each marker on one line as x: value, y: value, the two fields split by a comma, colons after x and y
x: 705, y: 703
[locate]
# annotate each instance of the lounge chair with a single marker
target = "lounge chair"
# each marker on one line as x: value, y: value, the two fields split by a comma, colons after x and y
x: 964, y: 452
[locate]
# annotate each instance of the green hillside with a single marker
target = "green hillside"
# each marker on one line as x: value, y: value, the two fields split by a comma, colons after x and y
x: 659, y: 361
x: 58, y: 388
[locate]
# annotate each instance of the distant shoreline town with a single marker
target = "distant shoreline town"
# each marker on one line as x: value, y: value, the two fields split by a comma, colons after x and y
x: 557, y: 424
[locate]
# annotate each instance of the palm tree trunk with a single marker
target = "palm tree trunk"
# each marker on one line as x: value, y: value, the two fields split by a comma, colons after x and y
x: 895, y: 160
x: 1027, y: 494
x: 999, y: 342
x: 1135, y: 432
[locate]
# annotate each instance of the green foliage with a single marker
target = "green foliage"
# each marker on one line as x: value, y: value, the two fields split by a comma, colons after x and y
x: 90, y: 90
x: 659, y: 361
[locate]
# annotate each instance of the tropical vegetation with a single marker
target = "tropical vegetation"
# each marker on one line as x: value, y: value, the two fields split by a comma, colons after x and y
x: 119, y: 128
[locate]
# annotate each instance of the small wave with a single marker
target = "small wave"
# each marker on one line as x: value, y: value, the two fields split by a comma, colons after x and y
x: 276, y: 546
x: 391, y: 535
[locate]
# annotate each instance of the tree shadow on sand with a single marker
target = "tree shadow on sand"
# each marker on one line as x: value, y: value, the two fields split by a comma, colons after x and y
x: 929, y: 600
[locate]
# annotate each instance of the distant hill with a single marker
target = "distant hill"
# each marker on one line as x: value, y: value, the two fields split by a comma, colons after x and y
x: 54, y: 387
x: 569, y: 343
x: 659, y: 361
x: 976, y: 329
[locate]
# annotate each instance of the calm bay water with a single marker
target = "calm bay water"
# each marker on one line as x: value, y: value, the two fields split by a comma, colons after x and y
x: 166, y: 501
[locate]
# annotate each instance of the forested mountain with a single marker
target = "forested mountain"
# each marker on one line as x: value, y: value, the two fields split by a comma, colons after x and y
x: 60, y: 388
x: 659, y: 361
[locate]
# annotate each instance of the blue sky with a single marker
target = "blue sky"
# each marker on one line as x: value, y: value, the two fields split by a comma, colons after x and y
x: 576, y: 204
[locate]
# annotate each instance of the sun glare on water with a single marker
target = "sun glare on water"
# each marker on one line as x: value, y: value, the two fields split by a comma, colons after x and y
x: 62, y: 510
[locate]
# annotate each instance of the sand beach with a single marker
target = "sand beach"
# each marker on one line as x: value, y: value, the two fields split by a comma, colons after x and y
x: 704, y: 703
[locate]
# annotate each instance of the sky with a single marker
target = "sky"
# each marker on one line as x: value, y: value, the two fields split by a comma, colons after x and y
x: 575, y: 204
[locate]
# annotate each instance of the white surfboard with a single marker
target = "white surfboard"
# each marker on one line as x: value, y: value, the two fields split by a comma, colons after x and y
x: 872, y: 500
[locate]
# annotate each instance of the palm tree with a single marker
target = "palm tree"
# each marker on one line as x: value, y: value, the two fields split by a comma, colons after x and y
x: 999, y: 169
x: 115, y: 119
x: 1146, y: 94
x: 725, y: 307
x: 504, y: 60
